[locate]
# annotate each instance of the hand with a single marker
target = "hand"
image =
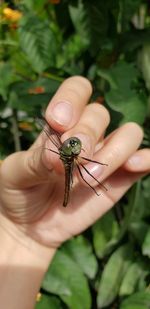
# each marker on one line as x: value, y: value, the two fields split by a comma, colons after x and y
x: 32, y: 182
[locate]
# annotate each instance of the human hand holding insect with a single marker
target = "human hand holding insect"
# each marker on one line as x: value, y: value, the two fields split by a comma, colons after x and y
x: 35, y: 187
x: 33, y: 223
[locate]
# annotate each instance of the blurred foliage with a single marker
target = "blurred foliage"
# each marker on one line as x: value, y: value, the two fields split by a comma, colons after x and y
x: 43, y: 42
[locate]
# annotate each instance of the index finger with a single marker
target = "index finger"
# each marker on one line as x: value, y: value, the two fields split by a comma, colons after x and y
x: 63, y: 112
x: 66, y: 106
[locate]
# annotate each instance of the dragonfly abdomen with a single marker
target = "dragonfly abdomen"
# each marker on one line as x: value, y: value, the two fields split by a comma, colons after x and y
x: 68, y: 166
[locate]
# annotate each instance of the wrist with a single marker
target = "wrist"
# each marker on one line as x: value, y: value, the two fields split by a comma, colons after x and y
x: 23, y: 264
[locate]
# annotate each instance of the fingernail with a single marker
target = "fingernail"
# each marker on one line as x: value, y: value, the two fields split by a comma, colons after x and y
x: 135, y: 160
x: 62, y: 112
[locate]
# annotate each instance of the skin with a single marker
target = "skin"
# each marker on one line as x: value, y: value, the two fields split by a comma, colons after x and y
x: 33, y: 223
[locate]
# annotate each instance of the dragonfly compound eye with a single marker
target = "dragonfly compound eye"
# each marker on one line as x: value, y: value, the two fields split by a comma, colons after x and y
x: 73, y: 143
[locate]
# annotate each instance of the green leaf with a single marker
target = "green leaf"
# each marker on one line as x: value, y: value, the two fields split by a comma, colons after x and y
x: 48, y: 302
x: 133, y: 275
x: 132, y: 108
x: 105, y: 232
x: 21, y: 65
x: 113, y: 274
x: 39, y: 42
x: 144, y: 60
x: 7, y: 77
x: 99, y: 20
x: 139, y: 205
x: 123, y: 96
x: 127, y: 10
x: 28, y: 103
x: 135, y: 199
x: 27, y: 96
x: 146, y: 244
x: 80, y: 250
x: 34, y: 5
x: 139, y: 230
x: 134, y: 211
x: 47, y: 85
x: 132, y: 41
x: 65, y: 278
x: 79, y: 19
x: 72, y: 50
x: 146, y: 186
x: 139, y: 300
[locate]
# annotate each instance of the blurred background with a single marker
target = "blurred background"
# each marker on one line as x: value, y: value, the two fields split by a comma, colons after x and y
x: 43, y: 42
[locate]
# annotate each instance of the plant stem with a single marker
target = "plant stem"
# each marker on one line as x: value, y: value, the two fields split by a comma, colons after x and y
x: 15, y: 131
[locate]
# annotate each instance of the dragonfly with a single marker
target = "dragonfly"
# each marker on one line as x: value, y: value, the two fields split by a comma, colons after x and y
x: 69, y: 153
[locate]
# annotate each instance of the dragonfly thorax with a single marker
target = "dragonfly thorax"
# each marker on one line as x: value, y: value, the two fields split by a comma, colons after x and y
x: 71, y: 147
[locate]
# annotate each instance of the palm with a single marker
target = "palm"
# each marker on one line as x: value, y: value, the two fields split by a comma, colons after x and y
x: 41, y: 208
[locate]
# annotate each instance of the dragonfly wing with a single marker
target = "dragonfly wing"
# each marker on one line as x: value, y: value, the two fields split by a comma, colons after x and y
x: 53, y: 135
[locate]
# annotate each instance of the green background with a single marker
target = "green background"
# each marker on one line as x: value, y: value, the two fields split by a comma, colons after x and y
x: 108, y: 266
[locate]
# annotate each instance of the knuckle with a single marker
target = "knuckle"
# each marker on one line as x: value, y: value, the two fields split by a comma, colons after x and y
x: 79, y: 82
x: 103, y: 111
x: 88, y: 130
x: 135, y: 127
x: 106, y: 114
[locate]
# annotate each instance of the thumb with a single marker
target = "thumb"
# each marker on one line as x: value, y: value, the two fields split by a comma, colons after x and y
x: 24, y: 169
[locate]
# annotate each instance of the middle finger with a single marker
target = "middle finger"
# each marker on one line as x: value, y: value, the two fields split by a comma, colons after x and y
x: 90, y: 128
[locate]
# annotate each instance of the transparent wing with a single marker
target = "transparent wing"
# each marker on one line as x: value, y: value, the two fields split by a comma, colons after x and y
x: 53, y: 135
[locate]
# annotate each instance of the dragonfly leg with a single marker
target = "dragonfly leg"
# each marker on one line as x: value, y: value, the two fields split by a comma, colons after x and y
x: 52, y: 150
x: 93, y: 177
x: 94, y: 161
x: 86, y: 181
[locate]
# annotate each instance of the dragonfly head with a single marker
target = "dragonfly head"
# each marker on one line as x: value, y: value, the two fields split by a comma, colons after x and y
x: 72, y: 146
